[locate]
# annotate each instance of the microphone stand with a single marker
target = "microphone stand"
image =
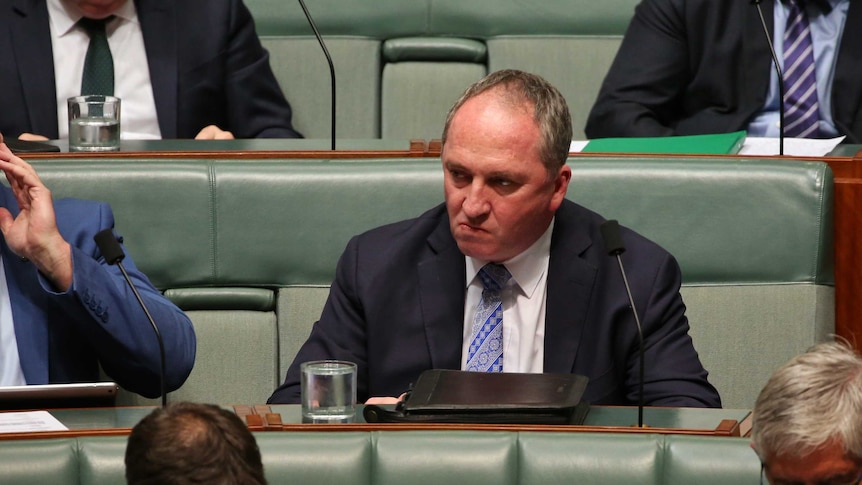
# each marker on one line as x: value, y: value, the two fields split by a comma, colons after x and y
x: 328, y: 60
x: 114, y: 255
x: 614, y: 244
x: 780, y: 77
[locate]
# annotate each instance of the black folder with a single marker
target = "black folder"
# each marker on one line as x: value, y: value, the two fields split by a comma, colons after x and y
x: 453, y: 396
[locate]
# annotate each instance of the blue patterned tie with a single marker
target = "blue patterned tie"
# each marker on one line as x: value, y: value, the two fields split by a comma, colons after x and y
x: 486, y: 346
x: 98, y: 76
x: 800, y: 84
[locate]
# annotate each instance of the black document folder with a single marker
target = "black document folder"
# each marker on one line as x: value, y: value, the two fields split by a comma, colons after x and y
x: 453, y: 396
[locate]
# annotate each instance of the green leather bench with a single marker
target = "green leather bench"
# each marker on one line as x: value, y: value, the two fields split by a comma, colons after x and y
x: 424, y: 457
x: 401, y: 64
x: 249, y: 247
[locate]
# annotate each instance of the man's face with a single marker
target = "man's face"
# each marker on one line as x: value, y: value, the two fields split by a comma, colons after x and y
x: 827, y: 465
x: 97, y: 9
x: 499, y: 195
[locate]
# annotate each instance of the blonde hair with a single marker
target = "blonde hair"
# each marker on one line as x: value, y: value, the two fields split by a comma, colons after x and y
x: 813, y: 399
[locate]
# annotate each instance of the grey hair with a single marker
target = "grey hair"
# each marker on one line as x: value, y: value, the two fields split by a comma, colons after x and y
x: 811, y: 400
x: 550, y: 111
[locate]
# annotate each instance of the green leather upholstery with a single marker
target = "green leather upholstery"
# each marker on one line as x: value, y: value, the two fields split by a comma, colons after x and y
x: 249, y: 247
x: 569, y: 42
x: 38, y: 461
x: 424, y: 457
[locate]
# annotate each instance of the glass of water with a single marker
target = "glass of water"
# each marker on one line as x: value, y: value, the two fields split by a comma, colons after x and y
x: 94, y: 123
x: 328, y: 391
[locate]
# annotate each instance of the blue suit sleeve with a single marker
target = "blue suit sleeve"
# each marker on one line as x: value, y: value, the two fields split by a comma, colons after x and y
x: 103, y: 310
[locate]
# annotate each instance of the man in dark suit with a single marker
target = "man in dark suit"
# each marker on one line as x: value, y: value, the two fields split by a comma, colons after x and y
x: 68, y: 311
x: 202, y: 73
x: 704, y: 66
x: 405, y: 295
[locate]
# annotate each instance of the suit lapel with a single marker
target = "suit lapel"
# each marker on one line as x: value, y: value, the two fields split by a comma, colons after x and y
x: 158, y: 25
x: 571, y: 280
x: 848, y: 69
x: 755, y: 52
x: 31, y: 45
x: 441, y: 295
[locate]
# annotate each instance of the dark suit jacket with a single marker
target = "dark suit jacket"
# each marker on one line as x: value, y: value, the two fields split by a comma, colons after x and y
x: 64, y: 337
x: 702, y: 66
x: 396, y: 308
x: 206, y: 64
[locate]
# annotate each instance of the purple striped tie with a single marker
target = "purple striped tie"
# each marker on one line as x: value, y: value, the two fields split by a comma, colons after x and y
x: 800, y: 85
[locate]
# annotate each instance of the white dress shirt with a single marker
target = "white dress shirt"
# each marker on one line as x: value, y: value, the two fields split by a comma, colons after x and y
x: 524, y: 306
x: 10, y: 365
x: 131, y: 72
x: 826, y: 31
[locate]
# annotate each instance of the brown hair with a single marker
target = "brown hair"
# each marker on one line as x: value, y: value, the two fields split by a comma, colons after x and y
x: 550, y: 111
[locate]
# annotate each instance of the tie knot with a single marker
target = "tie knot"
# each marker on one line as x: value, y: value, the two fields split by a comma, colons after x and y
x: 494, y: 276
x: 94, y: 26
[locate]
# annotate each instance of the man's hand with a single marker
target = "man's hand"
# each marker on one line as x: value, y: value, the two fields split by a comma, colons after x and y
x: 32, y: 137
x: 33, y: 234
x: 213, y: 132
x: 385, y: 400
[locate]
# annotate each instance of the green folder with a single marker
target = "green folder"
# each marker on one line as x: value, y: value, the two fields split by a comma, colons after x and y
x: 717, y: 144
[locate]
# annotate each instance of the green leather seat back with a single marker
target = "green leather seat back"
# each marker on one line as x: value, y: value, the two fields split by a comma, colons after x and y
x: 314, y: 457
x: 692, y: 459
x: 569, y: 42
x: 423, y: 457
x: 29, y: 462
x: 249, y: 248
x: 601, y: 459
x: 101, y: 460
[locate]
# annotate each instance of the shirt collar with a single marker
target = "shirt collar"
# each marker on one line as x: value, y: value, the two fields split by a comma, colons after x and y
x: 825, y: 6
x: 526, y: 268
x: 64, y: 17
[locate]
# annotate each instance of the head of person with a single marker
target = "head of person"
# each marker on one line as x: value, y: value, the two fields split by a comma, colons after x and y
x: 505, y: 145
x: 191, y: 443
x: 807, y: 423
x: 96, y: 9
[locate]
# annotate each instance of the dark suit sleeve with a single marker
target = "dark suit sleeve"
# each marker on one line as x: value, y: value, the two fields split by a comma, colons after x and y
x: 256, y: 106
x: 224, y: 74
x: 673, y: 373
x: 642, y: 92
x: 108, y: 320
x: 341, y: 332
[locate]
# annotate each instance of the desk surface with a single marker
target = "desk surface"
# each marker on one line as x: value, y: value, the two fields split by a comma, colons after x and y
x: 719, y: 422
x: 283, y: 148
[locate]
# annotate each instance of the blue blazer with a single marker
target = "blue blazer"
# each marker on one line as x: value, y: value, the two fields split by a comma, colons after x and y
x: 206, y: 65
x: 396, y: 308
x: 64, y: 337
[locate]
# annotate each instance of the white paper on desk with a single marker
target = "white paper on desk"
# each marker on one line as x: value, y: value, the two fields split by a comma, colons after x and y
x: 754, y: 145
x: 27, y: 422
x: 577, y: 146
x: 801, y: 147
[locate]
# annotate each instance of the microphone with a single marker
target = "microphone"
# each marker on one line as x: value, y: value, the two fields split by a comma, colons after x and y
x: 331, y: 66
x: 113, y: 253
x: 614, y: 246
x: 780, y: 77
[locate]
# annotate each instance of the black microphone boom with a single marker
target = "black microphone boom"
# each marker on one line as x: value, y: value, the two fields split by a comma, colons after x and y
x: 328, y: 60
x: 780, y: 78
x: 614, y: 245
x: 113, y: 253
